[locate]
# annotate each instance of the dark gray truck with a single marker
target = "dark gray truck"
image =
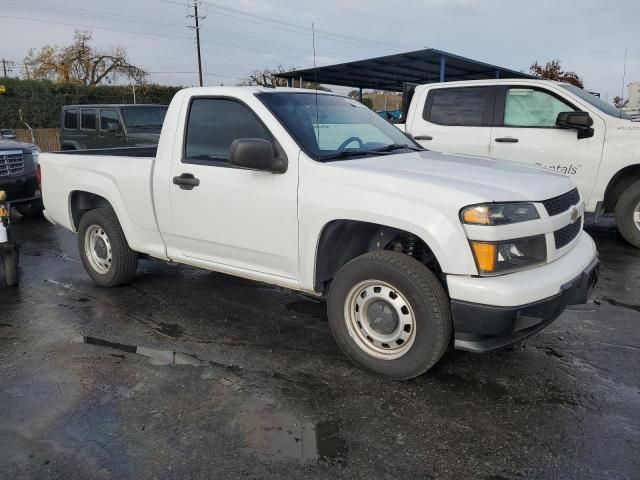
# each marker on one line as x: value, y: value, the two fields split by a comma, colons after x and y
x: 19, y: 176
x: 85, y: 127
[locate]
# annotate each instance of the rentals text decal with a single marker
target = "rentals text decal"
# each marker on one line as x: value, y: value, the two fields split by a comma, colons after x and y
x: 570, y: 169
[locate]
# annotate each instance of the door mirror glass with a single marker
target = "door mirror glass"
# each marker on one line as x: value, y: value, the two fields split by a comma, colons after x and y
x: 257, y: 154
x: 581, y: 121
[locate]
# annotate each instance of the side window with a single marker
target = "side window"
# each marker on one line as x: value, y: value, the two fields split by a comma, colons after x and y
x: 108, y: 117
x: 214, y: 124
x: 526, y: 107
x: 468, y: 106
x: 88, y: 119
x: 71, y: 119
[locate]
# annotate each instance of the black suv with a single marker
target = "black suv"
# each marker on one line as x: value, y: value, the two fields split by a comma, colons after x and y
x: 19, y: 177
x: 110, y: 126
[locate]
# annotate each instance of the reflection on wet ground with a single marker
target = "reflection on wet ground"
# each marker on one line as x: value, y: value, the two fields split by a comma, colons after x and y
x: 156, y: 357
x: 190, y: 374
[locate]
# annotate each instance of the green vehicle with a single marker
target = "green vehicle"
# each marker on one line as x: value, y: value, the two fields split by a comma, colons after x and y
x: 85, y: 127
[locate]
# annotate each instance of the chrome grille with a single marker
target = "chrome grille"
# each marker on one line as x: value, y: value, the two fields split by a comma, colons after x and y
x: 11, y: 163
x: 567, y: 233
x: 562, y: 203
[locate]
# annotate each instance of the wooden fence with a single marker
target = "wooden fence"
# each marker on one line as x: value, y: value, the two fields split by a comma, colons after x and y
x: 48, y: 139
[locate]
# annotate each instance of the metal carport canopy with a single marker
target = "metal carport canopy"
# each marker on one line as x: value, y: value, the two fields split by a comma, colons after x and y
x: 392, y: 71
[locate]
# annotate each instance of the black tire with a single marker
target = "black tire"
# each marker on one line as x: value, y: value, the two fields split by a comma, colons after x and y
x: 124, y: 261
x: 10, y: 261
x: 625, y: 209
x: 31, y: 210
x: 422, y: 291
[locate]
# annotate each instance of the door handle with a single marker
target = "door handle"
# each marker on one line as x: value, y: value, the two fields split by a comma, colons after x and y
x: 506, y: 140
x: 186, y: 181
x: 423, y: 137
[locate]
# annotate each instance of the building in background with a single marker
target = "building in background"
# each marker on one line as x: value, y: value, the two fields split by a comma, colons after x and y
x: 633, y: 97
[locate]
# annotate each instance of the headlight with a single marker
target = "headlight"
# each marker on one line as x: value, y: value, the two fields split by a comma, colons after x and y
x: 493, y: 258
x: 499, y: 213
x: 35, y: 154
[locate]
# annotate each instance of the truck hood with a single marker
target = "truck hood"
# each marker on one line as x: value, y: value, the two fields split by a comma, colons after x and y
x: 485, y: 179
x: 15, y: 145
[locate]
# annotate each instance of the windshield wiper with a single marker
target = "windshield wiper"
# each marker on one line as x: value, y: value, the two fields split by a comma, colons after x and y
x: 352, y: 153
x: 396, y: 146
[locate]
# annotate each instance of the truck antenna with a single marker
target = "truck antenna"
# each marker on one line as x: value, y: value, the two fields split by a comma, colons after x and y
x: 624, y: 74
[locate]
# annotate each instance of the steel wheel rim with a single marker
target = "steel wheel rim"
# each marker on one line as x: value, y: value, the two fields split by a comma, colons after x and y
x: 364, y: 298
x: 636, y: 216
x: 97, y: 248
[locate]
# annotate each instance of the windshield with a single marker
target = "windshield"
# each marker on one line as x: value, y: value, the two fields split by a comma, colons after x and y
x: 596, y: 102
x: 144, y: 119
x: 330, y: 127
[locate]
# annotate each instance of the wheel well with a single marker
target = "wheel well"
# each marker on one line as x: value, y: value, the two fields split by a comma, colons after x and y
x: 344, y: 240
x: 65, y: 147
x: 618, y: 184
x: 82, y: 202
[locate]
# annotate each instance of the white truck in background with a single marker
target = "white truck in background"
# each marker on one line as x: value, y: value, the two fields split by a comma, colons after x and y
x: 415, y: 251
x: 538, y: 122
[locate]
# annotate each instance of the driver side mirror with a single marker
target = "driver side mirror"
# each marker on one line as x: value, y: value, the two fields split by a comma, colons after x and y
x: 580, y: 121
x: 257, y: 154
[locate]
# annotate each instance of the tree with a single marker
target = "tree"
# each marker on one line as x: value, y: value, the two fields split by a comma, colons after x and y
x: 81, y: 63
x: 620, y: 102
x: 267, y: 76
x: 553, y: 71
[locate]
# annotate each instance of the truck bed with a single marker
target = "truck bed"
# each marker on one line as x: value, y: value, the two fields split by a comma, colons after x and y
x: 116, y: 152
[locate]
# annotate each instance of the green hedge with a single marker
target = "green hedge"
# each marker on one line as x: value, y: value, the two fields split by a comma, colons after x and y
x: 40, y: 100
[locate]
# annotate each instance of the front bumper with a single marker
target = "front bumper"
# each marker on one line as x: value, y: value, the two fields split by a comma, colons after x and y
x: 20, y: 189
x: 480, y: 328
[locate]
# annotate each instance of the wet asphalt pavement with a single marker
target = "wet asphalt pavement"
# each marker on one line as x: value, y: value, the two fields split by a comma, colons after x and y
x: 192, y: 374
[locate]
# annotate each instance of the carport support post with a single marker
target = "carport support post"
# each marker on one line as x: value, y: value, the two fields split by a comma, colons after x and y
x: 289, y: 82
x: 442, y: 67
x: 497, y: 73
x: 360, y: 94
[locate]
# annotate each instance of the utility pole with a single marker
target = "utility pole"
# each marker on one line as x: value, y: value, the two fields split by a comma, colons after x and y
x: 197, y: 29
x: 4, y: 67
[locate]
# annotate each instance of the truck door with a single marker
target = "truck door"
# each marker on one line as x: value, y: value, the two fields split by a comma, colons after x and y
x: 236, y: 218
x: 88, y: 127
x: 71, y: 137
x: 110, y: 135
x: 526, y: 132
x: 455, y: 120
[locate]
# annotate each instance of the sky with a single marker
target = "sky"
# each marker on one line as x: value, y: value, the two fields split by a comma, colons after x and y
x: 239, y: 36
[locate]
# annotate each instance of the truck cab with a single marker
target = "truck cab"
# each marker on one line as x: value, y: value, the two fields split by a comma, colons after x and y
x: 549, y: 124
x: 85, y: 127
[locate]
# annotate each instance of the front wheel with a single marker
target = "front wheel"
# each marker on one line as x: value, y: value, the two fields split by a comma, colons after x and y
x: 628, y: 214
x: 390, y: 314
x: 104, y: 250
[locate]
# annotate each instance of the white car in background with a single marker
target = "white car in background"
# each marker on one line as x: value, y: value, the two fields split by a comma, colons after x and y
x: 539, y: 122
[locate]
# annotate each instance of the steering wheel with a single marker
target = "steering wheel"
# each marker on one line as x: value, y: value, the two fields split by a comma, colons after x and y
x: 348, y: 141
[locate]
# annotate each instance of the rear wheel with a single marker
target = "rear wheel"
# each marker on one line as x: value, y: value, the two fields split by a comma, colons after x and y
x: 10, y: 261
x: 389, y: 314
x: 104, y: 250
x: 628, y: 214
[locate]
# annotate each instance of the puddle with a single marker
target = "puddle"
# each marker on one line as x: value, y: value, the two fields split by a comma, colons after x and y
x: 270, y: 433
x: 156, y: 357
x: 616, y: 303
x: 170, y: 330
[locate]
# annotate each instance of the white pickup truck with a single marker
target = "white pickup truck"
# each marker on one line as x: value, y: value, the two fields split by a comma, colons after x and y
x: 539, y: 122
x: 414, y: 251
